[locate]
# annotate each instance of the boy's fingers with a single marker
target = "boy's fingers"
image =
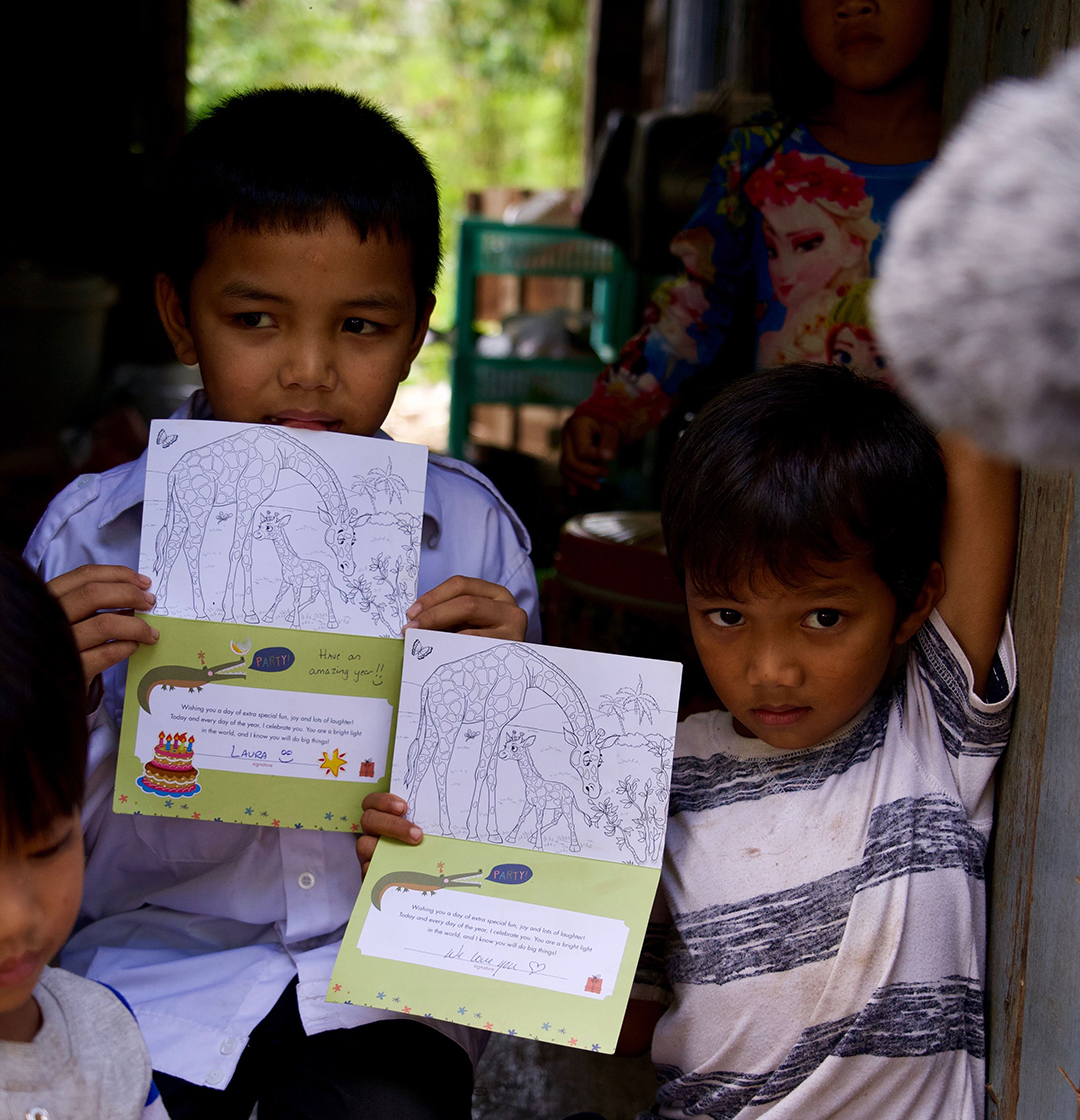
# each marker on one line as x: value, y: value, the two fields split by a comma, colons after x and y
x: 385, y: 802
x: 475, y: 615
x: 85, y: 600
x: 375, y: 824
x: 96, y: 573
x: 457, y: 587
x: 112, y: 627
x: 100, y: 658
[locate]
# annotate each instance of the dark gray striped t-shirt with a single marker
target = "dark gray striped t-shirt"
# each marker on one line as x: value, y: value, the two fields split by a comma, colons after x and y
x: 821, y: 932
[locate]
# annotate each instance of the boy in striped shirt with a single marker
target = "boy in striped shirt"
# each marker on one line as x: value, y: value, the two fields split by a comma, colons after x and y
x: 819, y: 940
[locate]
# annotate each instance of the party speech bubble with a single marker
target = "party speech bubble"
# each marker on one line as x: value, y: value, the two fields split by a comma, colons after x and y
x: 512, y: 873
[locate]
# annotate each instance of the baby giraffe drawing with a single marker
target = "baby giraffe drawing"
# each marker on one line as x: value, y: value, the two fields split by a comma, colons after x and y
x: 541, y: 795
x: 296, y: 572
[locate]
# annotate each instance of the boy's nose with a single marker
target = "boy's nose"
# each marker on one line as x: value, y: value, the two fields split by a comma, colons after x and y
x: 309, y: 365
x: 771, y: 664
x: 849, y: 9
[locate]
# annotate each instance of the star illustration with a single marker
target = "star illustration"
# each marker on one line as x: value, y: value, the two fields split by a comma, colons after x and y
x: 218, y: 819
x: 381, y: 995
x: 355, y: 826
x: 123, y: 798
x: 274, y: 823
x: 168, y: 804
x: 562, y: 1030
x: 596, y: 1047
x: 441, y: 866
x: 478, y: 1015
x: 298, y: 825
x: 329, y: 817
x: 264, y: 813
x: 249, y: 810
x: 397, y: 999
x: 511, y: 1031
x: 332, y: 764
x: 487, y: 1026
x: 428, y: 1015
x: 546, y: 1027
x: 342, y: 818
x: 337, y: 987
x: 406, y: 1009
x: 573, y: 1042
x: 196, y: 817
x: 461, y: 1010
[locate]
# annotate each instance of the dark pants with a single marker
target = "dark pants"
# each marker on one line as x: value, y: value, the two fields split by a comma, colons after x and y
x: 397, y: 1069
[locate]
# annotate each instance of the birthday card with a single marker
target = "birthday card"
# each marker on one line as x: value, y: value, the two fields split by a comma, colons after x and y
x: 541, y: 777
x: 283, y: 563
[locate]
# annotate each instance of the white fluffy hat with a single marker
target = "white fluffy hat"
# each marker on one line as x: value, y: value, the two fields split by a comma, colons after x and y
x: 978, y: 300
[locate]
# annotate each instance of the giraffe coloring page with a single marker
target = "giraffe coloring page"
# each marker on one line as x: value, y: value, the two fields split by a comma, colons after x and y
x: 555, y: 750
x: 257, y: 524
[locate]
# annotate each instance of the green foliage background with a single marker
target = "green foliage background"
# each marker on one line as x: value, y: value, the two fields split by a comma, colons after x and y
x: 491, y: 90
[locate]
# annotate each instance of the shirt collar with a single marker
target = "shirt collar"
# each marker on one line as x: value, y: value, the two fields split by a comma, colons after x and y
x: 129, y: 492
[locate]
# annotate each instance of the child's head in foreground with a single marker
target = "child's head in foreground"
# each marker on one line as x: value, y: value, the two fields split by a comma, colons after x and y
x: 803, y: 509
x: 301, y: 246
x: 42, y: 756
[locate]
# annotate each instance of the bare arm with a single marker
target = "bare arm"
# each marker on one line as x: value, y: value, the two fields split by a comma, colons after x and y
x: 978, y: 549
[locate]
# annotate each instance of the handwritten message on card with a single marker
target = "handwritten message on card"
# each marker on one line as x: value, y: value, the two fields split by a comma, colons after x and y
x: 540, y: 946
x: 292, y: 734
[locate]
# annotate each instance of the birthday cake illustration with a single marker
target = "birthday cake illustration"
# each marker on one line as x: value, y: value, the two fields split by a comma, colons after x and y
x: 172, y: 772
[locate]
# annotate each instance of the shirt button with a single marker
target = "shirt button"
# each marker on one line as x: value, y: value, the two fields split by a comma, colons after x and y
x: 228, y: 1046
x: 214, y: 1076
x: 306, y: 880
x: 37, y: 1113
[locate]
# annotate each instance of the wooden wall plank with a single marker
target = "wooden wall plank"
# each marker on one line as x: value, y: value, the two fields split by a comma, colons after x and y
x: 1046, y: 509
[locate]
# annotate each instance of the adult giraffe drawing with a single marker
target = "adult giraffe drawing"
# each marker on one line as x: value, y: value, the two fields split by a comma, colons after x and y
x: 242, y: 470
x: 489, y: 688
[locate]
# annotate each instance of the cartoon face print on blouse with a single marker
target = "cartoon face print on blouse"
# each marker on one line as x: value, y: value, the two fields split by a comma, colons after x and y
x: 818, y: 232
x: 850, y: 338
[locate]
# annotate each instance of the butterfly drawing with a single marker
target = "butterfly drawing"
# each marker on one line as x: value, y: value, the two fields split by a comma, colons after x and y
x: 419, y: 651
x: 164, y: 439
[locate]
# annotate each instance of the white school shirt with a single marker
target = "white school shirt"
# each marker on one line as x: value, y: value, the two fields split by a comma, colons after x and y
x: 201, y: 926
x: 825, y: 953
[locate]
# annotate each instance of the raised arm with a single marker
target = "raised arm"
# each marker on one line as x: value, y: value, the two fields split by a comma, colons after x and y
x: 978, y: 549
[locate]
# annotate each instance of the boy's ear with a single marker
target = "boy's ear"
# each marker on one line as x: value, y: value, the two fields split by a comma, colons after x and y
x: 422, y: 322
x: 932, y: 590
x: 173, y: 319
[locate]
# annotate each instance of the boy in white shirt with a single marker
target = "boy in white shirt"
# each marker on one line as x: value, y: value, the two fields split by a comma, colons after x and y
x: 819, y: 943
x: 301, y: 249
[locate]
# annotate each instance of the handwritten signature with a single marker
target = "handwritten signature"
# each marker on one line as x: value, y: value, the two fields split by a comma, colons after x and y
x: 531, y: 968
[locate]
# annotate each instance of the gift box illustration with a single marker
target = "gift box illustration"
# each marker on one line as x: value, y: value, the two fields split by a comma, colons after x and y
x: 594, y: 984
x: 367, y: 768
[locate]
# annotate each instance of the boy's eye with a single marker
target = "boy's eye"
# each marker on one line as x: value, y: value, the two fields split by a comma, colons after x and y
x: 55, y: 848
x: 725, y: 617
x: 822, y: 620
x: 255, y: 319
x: 359, y: 326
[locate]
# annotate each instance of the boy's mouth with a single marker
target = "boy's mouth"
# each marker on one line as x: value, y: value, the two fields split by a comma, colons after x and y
x: 778, y: 715
x: 16, y: 970
x: 310, y: 421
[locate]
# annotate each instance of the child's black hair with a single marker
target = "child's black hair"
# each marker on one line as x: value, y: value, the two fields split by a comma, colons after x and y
x: 42, y: 707
x: 806, y: 462
x: 288, y: 159
x: 801, y: 89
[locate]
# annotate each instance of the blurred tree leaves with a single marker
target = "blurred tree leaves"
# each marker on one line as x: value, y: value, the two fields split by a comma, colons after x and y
x: 490, y: 89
